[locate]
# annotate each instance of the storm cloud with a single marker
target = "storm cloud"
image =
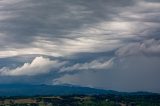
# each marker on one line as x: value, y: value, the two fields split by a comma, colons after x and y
x: 58, y: 42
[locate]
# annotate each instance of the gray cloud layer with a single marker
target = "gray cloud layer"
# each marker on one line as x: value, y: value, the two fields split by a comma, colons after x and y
x: 81, y: 35
x: 60, y: 28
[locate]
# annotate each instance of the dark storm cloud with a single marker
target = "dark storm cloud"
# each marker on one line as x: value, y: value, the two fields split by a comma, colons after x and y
x: 54, y: 18
x: 81, y: 34
x: 127, y: 74
x: 29, y: 24
x: 23, y: 20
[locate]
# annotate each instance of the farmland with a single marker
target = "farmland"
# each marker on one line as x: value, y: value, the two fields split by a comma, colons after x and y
x: 83, y: 100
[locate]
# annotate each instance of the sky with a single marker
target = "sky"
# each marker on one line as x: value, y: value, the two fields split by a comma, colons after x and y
x: 106, y: 44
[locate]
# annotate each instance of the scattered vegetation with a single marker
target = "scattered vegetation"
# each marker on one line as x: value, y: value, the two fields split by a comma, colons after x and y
x: 83, y: 100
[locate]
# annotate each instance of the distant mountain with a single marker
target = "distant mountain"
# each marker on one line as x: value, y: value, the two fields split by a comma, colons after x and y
x: 34, y: 90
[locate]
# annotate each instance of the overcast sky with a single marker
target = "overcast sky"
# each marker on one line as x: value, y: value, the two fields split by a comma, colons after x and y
x: 108, y: 44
